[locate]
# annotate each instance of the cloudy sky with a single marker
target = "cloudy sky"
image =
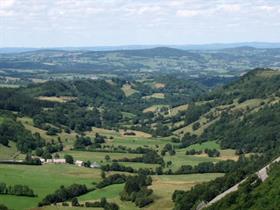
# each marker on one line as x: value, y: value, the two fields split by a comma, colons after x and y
x: 49, y: 23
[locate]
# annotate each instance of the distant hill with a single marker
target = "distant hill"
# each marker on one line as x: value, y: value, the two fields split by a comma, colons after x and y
x: 211, y: 46
x: 225, y: 63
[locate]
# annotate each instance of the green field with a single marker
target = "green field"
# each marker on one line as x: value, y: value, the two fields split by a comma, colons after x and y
x: 43, y: 180
x: 97, y: 156
x: 163, y: 187
x: 65, y: 208
x: 205, y: 145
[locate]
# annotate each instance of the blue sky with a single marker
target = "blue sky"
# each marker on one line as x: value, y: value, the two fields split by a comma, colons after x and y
x: 49, y: 23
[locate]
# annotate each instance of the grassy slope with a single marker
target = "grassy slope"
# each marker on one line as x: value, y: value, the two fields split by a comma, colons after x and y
x: 43, y: 180
x: 163, y: 187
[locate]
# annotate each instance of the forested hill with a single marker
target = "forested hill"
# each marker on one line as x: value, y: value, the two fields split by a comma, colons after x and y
x: 244, y: 116
x: 254, y: 195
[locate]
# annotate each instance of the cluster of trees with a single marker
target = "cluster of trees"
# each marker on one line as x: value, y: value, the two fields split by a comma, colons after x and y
x: 187, y: 140
x: 117, y: 167
x: 11, y: 130
x: 18, y: 190
x: 85, y: 142
x: 136, y: 190
x: 3, y: 207
x: 103, y: 203
x: 207, y: 167
x: 168, y: 148
x: 71, y: 115
x: 252, y: 85
x: 193, y: 152
x: 212, y: 152
x: 112, y: 179
x: 150, y: 156
x: 50, y: 148
x: 64, y: 194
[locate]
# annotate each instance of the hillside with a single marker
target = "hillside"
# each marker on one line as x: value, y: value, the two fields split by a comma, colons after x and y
x: 140, y: 136
x: 253, y: 194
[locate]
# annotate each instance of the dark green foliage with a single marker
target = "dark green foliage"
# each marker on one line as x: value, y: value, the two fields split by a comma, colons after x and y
x: 253, y: 194
x: 69, y: 159
x: 188, y: 140
x: 64, y: 194
x: 212, y: 152
x: 18, y: 190
x: 136, y: 190
x: 112, y: 179
x: 103, y: 203
x: 75, y: 202
x: 207, y: 191
x: 2, y: 207
x: 150, y: 156
x: 117, y: 167
x: 82, y: 142
x: 11, y: 130
x: 255, y: 132
x: 207, y: 167
x: 193, y: 152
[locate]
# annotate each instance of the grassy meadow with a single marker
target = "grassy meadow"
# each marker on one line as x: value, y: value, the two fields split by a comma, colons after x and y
x: 43, y: 180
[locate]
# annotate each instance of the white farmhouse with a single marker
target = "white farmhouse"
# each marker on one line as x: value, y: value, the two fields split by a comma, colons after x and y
x: 79, y: 163
x: 95, y: 165
x: 59, y: 161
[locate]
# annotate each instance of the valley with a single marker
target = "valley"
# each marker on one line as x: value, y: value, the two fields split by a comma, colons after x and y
x: 166, y: 141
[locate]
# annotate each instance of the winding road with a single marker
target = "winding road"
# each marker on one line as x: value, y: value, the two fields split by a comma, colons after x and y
x: 262, y: 174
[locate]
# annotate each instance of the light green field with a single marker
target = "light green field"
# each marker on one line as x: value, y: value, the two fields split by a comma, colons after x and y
x: 155, y: 95
x: 28, y: 124
x: 181, y: 159
x: 163, y: 187
x: 154, y: 108
x: 65, y: 208
x: 97, y: 156
x: 43, y: 180
x: 205, y: 145
x: 134, y: 142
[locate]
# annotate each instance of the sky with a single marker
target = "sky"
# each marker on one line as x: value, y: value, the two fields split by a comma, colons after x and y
x: 76, y: 23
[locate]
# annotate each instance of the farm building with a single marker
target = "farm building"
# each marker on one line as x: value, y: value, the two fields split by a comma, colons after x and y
x: 56, y: 161
x: 79, y: 163
x: 95, y: 165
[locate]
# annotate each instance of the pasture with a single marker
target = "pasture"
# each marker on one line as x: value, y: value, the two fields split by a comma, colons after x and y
x: 43, y: 180
x: 128, y: 90
x: 163, y: 187
x: 58, y: 99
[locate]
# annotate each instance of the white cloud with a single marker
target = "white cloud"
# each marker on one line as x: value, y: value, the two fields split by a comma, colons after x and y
x: 6, y: 3
x: 266, y: 8
x: 230, y: 7
x: 187, y: 13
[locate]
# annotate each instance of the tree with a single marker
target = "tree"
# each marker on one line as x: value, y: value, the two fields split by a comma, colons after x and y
x: 69, y: 159
x: 107, y: 158
x: 2, y: 207
x: 75, y: 202
x: 103, y: 174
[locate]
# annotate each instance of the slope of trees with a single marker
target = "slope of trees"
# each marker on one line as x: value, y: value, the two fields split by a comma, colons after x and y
x: 253, y: 194
x: 254, y: 132
x: 136, y: 190
x: 11, y: 130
